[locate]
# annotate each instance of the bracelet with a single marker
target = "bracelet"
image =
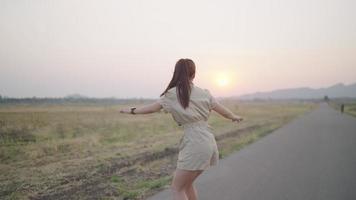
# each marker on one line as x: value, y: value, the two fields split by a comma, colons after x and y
x: 132, y: 110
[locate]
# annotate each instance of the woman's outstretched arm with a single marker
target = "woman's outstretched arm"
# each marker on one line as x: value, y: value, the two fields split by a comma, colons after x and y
x: 150, y: 108
x: 225, y: 112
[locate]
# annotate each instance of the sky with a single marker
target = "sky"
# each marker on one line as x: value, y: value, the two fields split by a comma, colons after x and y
x: 128, y: 49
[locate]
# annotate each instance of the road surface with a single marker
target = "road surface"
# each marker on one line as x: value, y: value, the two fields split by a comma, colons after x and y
x: 313, y: 157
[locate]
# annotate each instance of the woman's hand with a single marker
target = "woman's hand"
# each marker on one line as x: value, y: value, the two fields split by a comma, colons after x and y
x: 237, y: 119
x: 125, y: 110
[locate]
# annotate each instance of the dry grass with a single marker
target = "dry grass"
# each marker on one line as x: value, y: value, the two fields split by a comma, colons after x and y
x: 49, y: 149
x: 350, y: 105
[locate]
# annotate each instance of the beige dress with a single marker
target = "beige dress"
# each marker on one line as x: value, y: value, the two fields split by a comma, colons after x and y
x: 197, y: 148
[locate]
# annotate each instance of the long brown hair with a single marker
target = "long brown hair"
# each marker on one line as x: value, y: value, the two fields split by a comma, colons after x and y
x: 184, y: 71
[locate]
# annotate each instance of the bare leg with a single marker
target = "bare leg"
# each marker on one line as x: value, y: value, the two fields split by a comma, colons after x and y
x: 190, y: 190
x: 181, y: 180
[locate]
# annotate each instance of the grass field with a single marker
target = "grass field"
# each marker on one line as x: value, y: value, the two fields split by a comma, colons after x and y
x: 77, y: 151
x: 350, y: 105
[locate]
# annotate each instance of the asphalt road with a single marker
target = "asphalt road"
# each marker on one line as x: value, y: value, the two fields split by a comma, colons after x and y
x: 313, y: 157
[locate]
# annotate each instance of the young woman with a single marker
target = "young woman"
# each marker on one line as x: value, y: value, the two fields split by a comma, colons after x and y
x: 190, y: 107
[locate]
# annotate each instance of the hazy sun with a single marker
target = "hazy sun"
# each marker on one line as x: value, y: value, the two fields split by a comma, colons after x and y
x: 222, y: 80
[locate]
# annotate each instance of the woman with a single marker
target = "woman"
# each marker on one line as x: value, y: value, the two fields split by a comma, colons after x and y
x: 190, y: 107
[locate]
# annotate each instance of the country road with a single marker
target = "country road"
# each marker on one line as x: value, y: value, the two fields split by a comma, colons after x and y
x: 313, y: 157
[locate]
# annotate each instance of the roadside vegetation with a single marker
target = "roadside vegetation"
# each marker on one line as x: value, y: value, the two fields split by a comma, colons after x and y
x: 349, y: 105
x: 82, y: 150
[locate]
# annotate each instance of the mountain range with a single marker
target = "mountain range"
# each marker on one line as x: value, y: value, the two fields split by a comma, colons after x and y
x: 335, y: 91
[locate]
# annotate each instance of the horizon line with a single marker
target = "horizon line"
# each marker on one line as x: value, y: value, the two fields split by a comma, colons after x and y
x: 82, y: 96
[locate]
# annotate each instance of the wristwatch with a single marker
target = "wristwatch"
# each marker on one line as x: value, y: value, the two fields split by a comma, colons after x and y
x: 132, y: 110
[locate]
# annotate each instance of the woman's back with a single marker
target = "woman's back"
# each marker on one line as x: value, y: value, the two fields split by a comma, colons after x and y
x: 200, y: 105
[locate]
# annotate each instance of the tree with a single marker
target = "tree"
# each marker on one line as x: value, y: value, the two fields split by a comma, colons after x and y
x: 326, y: 98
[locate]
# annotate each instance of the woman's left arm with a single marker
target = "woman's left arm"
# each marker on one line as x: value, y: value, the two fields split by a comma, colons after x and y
x: 150, y: 108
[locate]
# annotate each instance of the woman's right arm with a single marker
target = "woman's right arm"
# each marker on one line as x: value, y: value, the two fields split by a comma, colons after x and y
x: 225, y: 112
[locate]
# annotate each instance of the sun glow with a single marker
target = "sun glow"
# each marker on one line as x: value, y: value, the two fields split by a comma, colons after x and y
x: 223, y: 80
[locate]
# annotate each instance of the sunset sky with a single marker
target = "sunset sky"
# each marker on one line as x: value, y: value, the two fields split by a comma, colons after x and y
x: 124, y: 49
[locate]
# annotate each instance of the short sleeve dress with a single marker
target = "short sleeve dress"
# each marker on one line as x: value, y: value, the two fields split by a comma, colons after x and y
x: 197, y: 147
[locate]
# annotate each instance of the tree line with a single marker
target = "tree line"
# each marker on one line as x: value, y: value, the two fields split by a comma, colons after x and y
x: 66, y: 100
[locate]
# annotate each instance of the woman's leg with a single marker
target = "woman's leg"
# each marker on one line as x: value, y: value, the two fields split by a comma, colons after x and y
x: 190, y: 190
x: 182, y: 180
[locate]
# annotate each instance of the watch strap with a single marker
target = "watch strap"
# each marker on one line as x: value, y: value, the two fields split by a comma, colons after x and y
x: 132, y: 110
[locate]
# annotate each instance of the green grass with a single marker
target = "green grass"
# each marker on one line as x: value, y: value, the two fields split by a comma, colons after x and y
x: 351, y: 109
x: 139, y: 188
x: 349, y: 106
x: 235, y: 144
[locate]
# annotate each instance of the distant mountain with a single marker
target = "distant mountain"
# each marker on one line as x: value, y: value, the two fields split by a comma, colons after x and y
x: 75, y: 96
x: 336, y: 91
